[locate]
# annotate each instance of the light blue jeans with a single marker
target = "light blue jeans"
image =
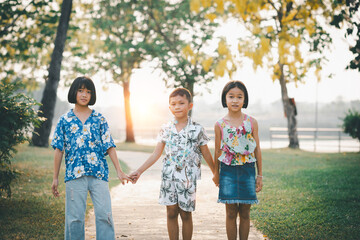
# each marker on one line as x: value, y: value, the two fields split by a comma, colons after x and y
x: 75, y: 206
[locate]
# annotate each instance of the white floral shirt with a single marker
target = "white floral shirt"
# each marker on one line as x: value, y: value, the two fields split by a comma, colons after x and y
x: 182, y: 159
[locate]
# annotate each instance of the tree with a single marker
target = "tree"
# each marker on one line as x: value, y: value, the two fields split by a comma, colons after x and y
x: 285, y: 35
x: 18, y: 117
x: 351, y: 124
x: 347, y: 14
x: 182, y: 40
x: 124, y: 32
x: 49, y: 96
x: 26, y: 29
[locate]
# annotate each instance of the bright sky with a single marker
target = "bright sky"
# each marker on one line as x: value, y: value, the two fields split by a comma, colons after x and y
x: 148, y: 89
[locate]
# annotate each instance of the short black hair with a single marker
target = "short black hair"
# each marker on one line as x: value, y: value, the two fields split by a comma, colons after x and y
x: 181, y: 92
x: 234, y: 84
x: 79, y: 83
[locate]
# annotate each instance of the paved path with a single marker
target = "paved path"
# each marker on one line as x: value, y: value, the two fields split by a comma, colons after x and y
x: 137, y: 214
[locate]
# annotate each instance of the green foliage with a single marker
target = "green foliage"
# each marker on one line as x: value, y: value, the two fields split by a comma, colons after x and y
x: 347, y: 15
x: 182, y: 37
x: 27, y: 28
x: 351, y: 124
x: 18, y: 117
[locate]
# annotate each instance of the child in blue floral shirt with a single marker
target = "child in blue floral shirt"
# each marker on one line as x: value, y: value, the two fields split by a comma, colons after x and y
x: 184, y: 142
x: 85, y: 137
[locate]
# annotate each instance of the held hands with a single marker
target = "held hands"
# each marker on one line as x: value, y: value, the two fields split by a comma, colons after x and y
x: 134, y: 176
x: 216, y: 179
x: 123, y: 177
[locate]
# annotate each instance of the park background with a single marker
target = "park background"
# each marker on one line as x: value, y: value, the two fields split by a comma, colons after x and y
x: 320, y: 104
x: 307, y: 195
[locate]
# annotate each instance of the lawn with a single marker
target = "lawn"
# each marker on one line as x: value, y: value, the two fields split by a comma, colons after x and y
x: 32, y: 212
x: 309, y: 195
x: 305, y: 196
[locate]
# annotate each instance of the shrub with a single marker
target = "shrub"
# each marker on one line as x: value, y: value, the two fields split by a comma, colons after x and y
x: 351, y: 124
x: 17, y: 119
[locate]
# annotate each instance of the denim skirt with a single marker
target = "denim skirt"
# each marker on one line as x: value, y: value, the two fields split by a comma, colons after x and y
x: 237, y: 184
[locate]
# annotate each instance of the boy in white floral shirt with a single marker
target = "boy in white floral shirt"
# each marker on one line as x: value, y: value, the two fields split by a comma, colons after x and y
x: 184, y: 142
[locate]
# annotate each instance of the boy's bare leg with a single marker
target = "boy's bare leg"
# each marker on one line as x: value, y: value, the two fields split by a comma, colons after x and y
x: 172, y: 221
x: 187, y: 224
x: 244, y: 227
x: 231, y: 216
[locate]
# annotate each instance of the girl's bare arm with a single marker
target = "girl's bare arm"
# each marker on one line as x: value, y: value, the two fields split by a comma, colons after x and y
x: 57, y: 163
x: 217, y: 154
x: 207, y: 156
x: 120, y: 174
x: 259, y: 182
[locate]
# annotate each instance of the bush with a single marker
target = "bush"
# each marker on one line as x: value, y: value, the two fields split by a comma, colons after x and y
x: 351, y: 124
x: 18, y: 117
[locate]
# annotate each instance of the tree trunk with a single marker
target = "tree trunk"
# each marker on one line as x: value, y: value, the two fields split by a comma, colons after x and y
x: 189, y: 85
x: 130, y: 137
x: 290, y: 112
x: 48, y: 100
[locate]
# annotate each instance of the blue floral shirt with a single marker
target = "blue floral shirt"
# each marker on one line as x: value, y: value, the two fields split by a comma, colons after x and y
x: 85, y: 145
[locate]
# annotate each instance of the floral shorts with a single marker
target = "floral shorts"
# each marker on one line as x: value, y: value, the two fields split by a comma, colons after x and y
x: 178, y: 192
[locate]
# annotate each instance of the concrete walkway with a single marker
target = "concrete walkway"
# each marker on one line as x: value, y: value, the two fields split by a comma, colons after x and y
x: 137, y: 214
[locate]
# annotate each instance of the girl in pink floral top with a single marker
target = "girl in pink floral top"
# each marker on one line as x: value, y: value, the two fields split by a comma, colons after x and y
x: 237, y: 150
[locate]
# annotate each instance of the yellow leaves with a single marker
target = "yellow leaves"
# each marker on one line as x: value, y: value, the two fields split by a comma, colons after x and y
x: 187, y: 51
x: 256, y: 30
x: 240, y: 6
x: 269, y: 29
x: 265, y: 44
x: 10, y: 50
x: 292, y: 69
x: 276, y: 72
x: 317, y: 73
x: 206, y: 64
x: 290, y: 16
x: 211, y: 16
x: 283, y: 50
x: 222, y: 48
x: 310, y: 26
x: 220, y: 68
x: 195, y: 5
x: 297, y: 56
x: 257, y: 58
x: 206, y: 3
x: 295, y: 40
x: 219, y: 6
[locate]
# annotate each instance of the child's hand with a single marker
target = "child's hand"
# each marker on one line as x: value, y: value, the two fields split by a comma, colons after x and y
x: 54, y: 186
x: 135, y: 176
x: 123, y: 177
x: 216, y: 179
x: 259, y: 184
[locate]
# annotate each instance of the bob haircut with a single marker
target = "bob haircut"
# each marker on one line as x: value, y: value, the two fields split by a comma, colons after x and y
x: 234, y: 84
x: 78, y: 83
x: 181, y: 92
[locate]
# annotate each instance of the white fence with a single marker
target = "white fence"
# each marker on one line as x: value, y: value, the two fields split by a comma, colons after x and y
x: 318, y: 138
x: 311, y: 139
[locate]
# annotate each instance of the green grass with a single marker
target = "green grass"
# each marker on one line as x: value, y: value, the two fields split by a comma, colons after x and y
x: 305, y: 195
x: 123, y: 146
x: 309, y: 195
x: 32, y: 212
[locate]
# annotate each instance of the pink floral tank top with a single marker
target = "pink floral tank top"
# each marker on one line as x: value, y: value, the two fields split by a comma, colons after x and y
x: 237, y: 144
